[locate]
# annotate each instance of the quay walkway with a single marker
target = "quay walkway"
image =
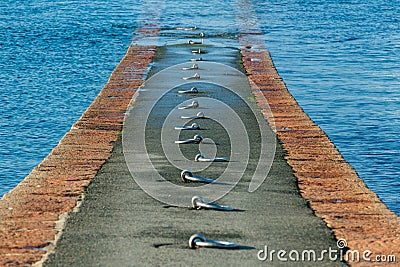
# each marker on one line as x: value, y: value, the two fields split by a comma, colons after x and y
x: 105, y: 195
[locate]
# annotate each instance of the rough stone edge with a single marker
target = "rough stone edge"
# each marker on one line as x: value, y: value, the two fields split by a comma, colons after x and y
x: 28, y: 231
x: 59, y: 227
x: 331, y: 186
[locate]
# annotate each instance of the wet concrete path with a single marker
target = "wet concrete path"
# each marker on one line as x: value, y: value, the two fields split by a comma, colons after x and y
x: 119, y: 224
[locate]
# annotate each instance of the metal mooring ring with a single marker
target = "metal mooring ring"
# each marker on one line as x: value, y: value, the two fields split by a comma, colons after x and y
x: 187, y: 176
x: 198, y: 202
x: 199, y: 240
x: 201, y: 158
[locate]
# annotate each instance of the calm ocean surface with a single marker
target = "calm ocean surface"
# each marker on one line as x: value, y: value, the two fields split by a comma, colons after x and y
x: 339, y: 59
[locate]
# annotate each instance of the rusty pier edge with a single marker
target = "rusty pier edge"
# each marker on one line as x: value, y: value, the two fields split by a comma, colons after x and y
x: 32, y: 214
x: 330, y: 185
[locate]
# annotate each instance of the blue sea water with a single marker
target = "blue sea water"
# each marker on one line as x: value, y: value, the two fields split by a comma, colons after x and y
x: 339, y: 59
x: 55, y: 56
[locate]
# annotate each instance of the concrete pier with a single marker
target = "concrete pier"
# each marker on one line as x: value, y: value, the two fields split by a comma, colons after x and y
x: 81, y: 206
x: 119, y: 224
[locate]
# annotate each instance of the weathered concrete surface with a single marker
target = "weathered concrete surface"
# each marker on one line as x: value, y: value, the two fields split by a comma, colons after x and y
x: 120, y: 225
x: 326, y: 180
x: 30, y: 212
